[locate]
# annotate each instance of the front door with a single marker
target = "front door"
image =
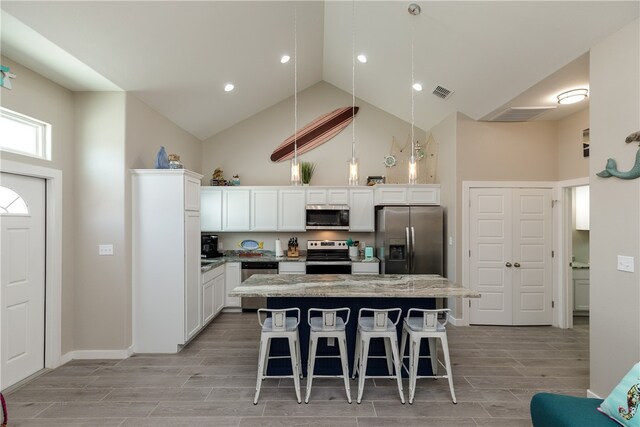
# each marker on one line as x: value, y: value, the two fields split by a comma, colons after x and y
x: 510, y: 260
x: 22, y: 277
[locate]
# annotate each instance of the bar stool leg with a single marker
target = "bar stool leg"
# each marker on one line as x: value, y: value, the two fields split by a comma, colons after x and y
x: 293, y: 344
x: 396, y: 358
x: 262, y: 367
x: 362, y: 370
x: 299, y: 355
x: 356, y: 355
x: 447, y: 361
x: 313, y: 342
x: 267, y: 353
x: 433, y: 354
x: 415, y: 363
x: 403, y: 347
x: 388, y: 353
x: 342, y: 343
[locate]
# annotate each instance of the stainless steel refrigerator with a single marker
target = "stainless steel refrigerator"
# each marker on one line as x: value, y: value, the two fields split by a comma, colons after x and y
x: 410, y: 239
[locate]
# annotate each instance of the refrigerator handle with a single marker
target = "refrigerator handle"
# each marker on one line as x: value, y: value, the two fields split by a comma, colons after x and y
x: 408, y: 250
x: 413, y: 250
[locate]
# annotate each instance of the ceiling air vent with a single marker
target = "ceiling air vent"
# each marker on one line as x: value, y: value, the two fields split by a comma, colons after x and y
x: 519, y: 114
x: 442, y: 92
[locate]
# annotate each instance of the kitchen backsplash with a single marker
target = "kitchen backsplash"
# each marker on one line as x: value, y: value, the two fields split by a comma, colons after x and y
x: 230, y: 241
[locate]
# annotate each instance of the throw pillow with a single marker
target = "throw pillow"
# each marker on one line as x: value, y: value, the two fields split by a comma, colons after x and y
x: 622, y: 404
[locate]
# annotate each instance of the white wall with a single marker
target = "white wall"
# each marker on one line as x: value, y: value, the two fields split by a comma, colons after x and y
x: 246, y: 147
x: 38, y: 97
x: 571, y: 163
x: 615, y: 209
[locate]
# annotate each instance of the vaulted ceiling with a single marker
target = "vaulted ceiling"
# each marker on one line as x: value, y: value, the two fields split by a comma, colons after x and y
x: 177, y: 56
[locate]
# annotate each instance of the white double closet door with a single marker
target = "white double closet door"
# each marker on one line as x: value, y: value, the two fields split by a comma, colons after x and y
x: 22, y: 277
x: 510, y: 259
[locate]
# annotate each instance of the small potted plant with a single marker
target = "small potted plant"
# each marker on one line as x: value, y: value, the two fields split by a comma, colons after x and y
x: 306, y: 172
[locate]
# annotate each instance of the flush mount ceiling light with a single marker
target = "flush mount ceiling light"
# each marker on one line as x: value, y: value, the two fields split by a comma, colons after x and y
x: 417, y: 87
x: 362, y: 58
x: 228, y: 87
x: 285, y: 59
x: 572, y: 96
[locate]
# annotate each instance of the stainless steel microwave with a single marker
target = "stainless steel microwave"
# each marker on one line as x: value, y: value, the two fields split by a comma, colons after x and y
x: 327, y: 217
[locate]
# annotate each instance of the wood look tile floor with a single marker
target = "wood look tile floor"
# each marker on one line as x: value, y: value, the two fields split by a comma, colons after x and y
x: 211, y: 383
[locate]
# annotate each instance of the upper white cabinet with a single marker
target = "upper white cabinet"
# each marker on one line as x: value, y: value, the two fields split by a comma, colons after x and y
x: 361, y: 210
x: 211, y: 208
x: 236, y: 204
x: 264, y: 210
x: 165, y: 259
x: 292, y: 215
x: 327, y: 196
x: 421, y: 194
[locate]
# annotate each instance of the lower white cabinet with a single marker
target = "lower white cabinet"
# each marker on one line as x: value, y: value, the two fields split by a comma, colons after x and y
x: 293, y: 267
x: 365, y: 268
x: 581, y: 289
x: 213, y: 287
x: 231, y: 280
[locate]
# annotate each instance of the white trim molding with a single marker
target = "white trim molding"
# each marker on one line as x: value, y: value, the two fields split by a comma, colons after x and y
x: 98, y: 354
x: 53, y: 263
x: 592, y: 394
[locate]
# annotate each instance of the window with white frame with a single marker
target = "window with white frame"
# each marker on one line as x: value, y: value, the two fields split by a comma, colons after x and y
x: 24, y: 135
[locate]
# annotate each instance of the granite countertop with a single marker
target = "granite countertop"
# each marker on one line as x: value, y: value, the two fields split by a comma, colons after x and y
x: 266, y: 256
x: 347, y: 285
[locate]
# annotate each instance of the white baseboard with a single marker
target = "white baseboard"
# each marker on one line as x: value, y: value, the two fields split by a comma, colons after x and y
x: 592, y: 394
x: 457, y: 321
x: 96, y: 354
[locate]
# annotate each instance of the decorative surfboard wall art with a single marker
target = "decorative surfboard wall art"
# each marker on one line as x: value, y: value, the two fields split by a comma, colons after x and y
x: 315, y: 133
x: 611, y: 169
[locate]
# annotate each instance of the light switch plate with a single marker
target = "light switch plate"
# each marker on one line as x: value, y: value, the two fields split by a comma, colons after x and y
x: 105, y: 250
x: 625, y: 263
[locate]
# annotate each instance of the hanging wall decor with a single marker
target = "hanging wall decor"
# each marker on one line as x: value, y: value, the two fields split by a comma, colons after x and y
x: 611, y: 169
x: 315, y: 133
x: 5, y: 77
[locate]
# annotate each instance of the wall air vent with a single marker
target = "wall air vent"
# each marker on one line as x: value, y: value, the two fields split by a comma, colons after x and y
x: 442, y: 92
x: 519, y: 114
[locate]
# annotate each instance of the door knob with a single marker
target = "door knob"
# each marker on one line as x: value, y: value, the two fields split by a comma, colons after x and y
x: 508, y: 264
x: 517, y: 264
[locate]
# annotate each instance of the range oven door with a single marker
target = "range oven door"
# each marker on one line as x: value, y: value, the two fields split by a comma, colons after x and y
x: 322, y: 267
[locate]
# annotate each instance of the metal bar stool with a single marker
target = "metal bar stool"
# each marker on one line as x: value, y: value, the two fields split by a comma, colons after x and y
x: 426, y: 326
x: 279, y: 325
x: 377, y: 326
x: 331, y: 326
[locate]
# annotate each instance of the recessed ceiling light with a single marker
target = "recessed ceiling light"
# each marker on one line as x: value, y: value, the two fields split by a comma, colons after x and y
x: 417, y: 86
x: 285, y: 59
x: 228, y: 87
x: 572, y: 96
x: 362, y: 58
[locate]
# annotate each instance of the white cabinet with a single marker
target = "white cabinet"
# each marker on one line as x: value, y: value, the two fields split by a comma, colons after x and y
x: 361, y: 210
x: 231, y: 280
x: 236, y: 205
x: 292, y: 214
x: 327, y: 196
x: 212, y: 293
x: 365, y: 268
x: 292, y: 267
x: 264, y: 209
x: 397, y: 194
x: 581, y: 289
x: 211, y: 209
x: 165, y: 259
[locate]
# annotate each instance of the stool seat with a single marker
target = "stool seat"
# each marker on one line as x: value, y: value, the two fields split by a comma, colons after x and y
x: 329, y: 325
x: 279, y: 325
x: 378, y: 325
x: 414, y: 329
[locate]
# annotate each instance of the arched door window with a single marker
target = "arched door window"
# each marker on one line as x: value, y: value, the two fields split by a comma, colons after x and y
x: 12, y: 203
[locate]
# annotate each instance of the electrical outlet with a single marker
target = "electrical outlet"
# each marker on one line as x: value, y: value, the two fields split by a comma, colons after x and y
x: 105, y: 250
x: 625, y: 263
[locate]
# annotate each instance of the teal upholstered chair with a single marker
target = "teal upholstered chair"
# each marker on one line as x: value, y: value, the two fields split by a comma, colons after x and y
x: 555, y: 410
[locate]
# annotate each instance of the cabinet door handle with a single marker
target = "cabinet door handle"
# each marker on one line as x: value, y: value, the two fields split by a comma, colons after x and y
x: 508, y: 264
x: 516, y: 265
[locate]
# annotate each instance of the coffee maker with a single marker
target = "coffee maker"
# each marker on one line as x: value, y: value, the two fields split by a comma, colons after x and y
x: 209, y: 246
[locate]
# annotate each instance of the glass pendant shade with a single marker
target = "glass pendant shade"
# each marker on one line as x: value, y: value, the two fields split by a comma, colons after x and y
x: 353, y: 171
x: 413, y: 170
x: 295, y: 171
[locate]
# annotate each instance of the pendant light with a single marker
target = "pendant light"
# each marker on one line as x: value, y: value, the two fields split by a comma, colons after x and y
x: 295, y: 166
x: 414, y: 10
x: 353, y: 161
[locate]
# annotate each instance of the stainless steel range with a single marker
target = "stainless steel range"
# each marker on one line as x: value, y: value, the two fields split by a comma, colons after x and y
x: 328, y: 257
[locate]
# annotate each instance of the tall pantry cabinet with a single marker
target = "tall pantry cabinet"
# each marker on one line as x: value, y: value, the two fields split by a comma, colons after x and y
x: 165, y: 259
